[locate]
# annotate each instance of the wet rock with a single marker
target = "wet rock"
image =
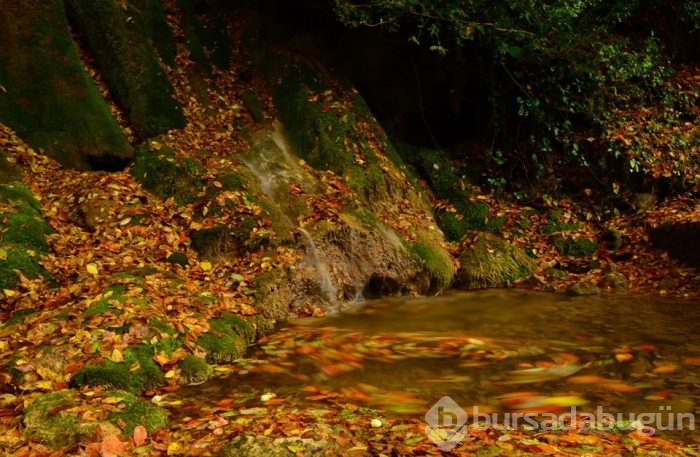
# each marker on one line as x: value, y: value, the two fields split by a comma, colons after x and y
x: 579, y: 289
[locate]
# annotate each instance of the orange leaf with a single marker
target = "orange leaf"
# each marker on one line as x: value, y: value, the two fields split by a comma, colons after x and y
x: 140, y: 435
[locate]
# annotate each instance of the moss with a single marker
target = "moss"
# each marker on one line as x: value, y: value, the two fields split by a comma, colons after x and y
x: 120, y: 375
x: 21, y: 243
x: 18, y: 316
x: 154, y: 24
x: 49, y: 101
x: 10, y: 172
x: 129, y: 66
x: 100, y: 307
x: 224, y: 240
x: 227, y: 339
x: 205, y: 36
x: 437, y: 262
x: 179, y: 258
x: 18, y: 192
x: 557, y: 226
x: 160, y: 170
x: 576, y: 247
x: 469, y: 216
x: 132, y: 411
x: 194, y: 370
x: 262, y: 325
x: 613, y: 239
x: 487, y: 260
x: 222, y: 348
x: 52, y: 419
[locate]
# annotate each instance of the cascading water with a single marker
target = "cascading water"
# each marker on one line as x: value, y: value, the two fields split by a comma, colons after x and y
x: 275, y: 167
x: 328, y: 289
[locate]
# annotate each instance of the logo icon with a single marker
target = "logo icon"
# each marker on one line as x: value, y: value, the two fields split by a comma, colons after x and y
x: 446, y: 424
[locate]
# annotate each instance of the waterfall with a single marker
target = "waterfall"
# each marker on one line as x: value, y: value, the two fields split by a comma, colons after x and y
x: 329, y: 291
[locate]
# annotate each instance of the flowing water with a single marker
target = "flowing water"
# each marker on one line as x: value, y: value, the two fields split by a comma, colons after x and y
x: 496, y: 350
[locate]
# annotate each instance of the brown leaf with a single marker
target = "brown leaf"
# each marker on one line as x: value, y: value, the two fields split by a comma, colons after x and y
x: 140, y: 435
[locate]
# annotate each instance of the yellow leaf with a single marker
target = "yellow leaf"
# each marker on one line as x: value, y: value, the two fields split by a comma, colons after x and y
x: 206, y: 266
x: 174, y: 448
x: 116, y: 356
x: 170, y: 374
x: 45, y: 385
x: 9, y: 293
x: 91, y: 268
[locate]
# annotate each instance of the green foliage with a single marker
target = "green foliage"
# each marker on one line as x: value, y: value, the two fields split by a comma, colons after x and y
x: 129, y: 66
x: 132, y: 411
x: 569, y: 68
x: 577, y: 247
x: 159, y: 169
x: 119, y: 375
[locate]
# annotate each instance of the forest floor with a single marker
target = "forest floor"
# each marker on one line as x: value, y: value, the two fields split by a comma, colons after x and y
x: 48, y: 333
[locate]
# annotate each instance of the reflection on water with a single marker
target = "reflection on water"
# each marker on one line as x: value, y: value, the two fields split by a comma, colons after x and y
x: 498, y: 350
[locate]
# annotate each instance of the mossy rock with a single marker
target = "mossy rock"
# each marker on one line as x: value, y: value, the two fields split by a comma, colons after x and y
x: 576, y: 247
x: 159, y: 169
x: 262, y: 446
x: 488, y: 260
x: 22, y: 242
x: 119, y: 375
x: 195, y: 370
x: 129, y: 66
x: 178, y: 258
x: 205, y: 36
x: 254, y: 105
x: 437, y: 262
x: 227, y: 339
x: 223, y: 240
x: 154, y: 24
x: 52, y: 418
x: 73, y: 124
x: 262, y: 325
x: 131, y: 411
x: 469, y: 216
x: 10, y: 172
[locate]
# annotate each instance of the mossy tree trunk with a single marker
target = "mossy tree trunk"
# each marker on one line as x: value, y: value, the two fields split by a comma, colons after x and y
x: 46, y: 96
x: 129, y: 65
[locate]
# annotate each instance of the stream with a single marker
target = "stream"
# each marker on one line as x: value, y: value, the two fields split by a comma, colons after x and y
x: 492, y: 352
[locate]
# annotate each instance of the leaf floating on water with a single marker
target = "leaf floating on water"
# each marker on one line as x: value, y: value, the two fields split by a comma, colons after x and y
x: 540, y: 374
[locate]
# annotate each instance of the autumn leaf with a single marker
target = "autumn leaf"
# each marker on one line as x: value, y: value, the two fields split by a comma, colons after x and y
x: 140, y: 435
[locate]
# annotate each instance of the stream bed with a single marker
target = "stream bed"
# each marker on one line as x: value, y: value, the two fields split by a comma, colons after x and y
x: 492, y: 352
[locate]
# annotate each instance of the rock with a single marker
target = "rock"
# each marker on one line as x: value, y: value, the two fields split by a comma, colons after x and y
x: 488, y: 260
x: 615, y: 281
x: 579, y: 289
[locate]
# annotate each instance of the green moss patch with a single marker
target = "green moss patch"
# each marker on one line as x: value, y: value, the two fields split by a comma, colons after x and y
x: 437, y: 262
x: 22, y: 243
x: 132, y: 411
x: 53, y: 419
x: 129, y: 66
x: 227, y: 339
x: 159, y: 169
x: 48, y: 99
x: 121, y: 375
x: 488, y: 260
x: 194, y: 370
x: 576, y: 247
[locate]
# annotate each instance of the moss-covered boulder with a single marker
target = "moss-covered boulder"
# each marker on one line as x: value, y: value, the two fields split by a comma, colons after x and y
x: 488, y: 260
x: 195, y: 370
x: 227, y: 339
x: 449, y: 182
x: 129, y: 65
x: 122, y: 375
x: 574, y: 246
x: 46, y: 96
x: 164, y: 172
x: 22, y: 231
x: 130, y: 411
x: 53, y: 419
